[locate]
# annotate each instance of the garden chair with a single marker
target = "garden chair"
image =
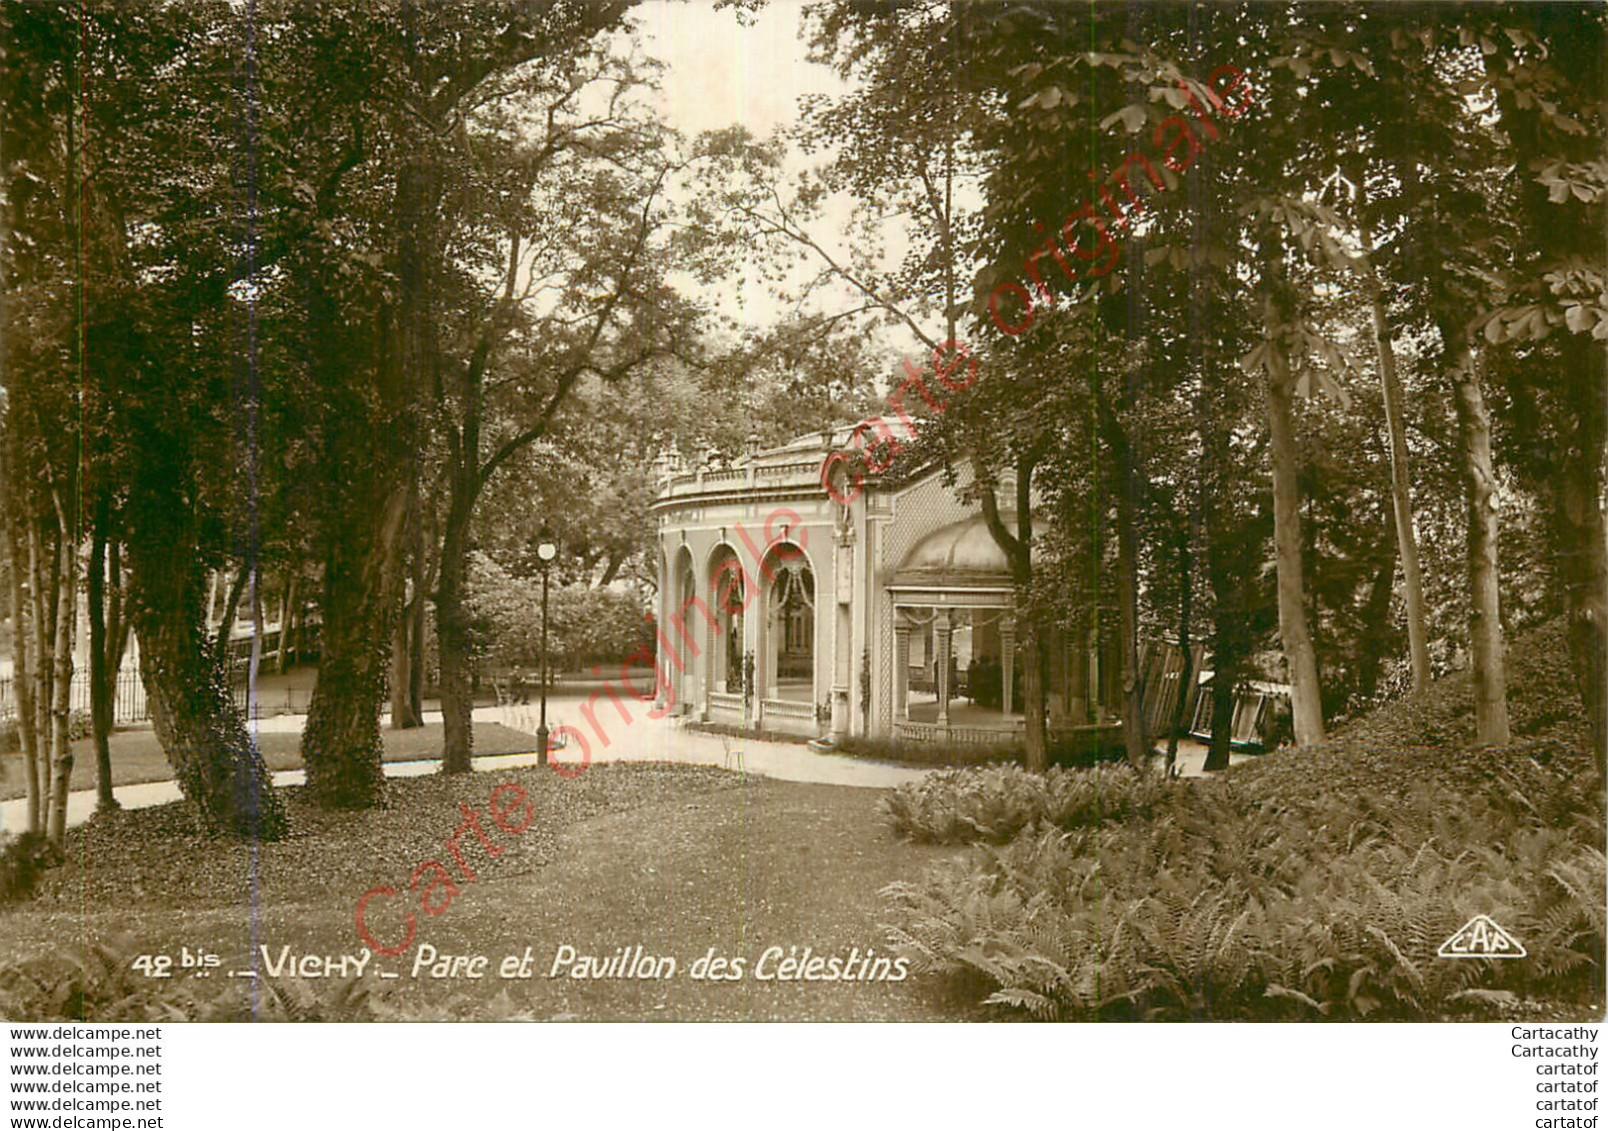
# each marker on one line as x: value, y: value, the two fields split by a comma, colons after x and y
x: 737, y: 754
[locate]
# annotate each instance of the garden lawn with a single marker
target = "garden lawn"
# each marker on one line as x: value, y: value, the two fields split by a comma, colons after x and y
x: 677, y: 859
x: 137, y: 756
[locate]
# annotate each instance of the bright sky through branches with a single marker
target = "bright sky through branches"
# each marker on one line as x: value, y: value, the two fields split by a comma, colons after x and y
x: 719, y: 72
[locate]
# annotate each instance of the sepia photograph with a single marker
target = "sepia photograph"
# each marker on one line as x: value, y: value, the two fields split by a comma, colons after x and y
x: 940, y: 511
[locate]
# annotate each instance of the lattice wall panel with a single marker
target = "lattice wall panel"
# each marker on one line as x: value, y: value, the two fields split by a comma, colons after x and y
x: 916, y: 513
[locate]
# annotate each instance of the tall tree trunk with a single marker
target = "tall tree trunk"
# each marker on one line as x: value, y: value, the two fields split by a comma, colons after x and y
x: 425, y: 571
x: 341, y: 744
x: 1582, y: 558
x: 23, y: 680
x: 13, y: 516
x: 117, y: 628
x: 217, y: 765
x: 379, y: 453
x: 1400, y: 495
x: 116, y: 637
x: 401, y: 679
x: 404, y: 715
x: 223, y: 643
x: 1400, y: 473
x: 212, y: 596
x: 1077, y: 701
x: 1222, y: 740
x: 43, y: 621
x: 452, y: 631
x: 1562, y: 231
x: 1186, y: 596
x: 464, y: 483
x: 1135, y: 739
x: 1229, y: 630
x: 102, y: 682
x: 1305, y: 693
x: 1035, y: 659
x: 1018, y: 549
x: 1479, y: 482
x: 418, y: 612
x: 290, y: 622
x: 1228, y: 637
x: 612, y: 570
x: 254, y: 664
x: 1376, y: 626
x: 61, y: 759
x: 282, y: 621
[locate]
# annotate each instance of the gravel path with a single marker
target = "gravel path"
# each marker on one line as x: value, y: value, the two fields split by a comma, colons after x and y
x: 643, y: 739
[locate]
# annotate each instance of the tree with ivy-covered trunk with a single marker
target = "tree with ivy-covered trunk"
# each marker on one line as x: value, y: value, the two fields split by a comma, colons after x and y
x: 112, y: 214
x: 371, y: 113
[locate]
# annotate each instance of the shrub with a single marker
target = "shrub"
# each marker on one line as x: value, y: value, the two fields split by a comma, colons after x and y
x: 22, y: 861
x: 1542, y: 696
x: 80, y: 724
x: 1086, y: 746
x: 1098, y: 924
x: 930, y: 753
x: 585, y: 625
x: 995, y: 803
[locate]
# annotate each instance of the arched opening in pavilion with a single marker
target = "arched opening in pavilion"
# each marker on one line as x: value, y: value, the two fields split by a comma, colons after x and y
x: 685, y: 588
x: 728, y: 602
x: 789, y: 637
x: 956, y: 672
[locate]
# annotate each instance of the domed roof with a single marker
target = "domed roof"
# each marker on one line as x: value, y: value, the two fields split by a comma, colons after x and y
x: 962, y: 554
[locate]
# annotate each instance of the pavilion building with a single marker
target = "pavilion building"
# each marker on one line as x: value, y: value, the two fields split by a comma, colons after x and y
x: 891, y: 615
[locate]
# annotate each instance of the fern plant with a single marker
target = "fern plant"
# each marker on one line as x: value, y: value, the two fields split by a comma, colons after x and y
x: 1214, y: 903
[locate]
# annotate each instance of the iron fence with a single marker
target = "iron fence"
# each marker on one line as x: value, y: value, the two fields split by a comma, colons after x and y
x: 128, y: 699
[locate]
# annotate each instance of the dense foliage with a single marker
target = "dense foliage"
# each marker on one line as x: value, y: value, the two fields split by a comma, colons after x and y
x: 1318, y: 883
x: 584, y: 624
x: 1282, y: 385
x: 995, y: 804
x: 22, y: 859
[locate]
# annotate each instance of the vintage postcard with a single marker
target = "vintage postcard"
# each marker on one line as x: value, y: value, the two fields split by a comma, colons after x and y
x: 758, y: 511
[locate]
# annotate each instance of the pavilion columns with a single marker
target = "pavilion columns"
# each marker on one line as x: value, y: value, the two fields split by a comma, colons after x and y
x: 681, y: 639
x: 842, y: 644
x: 945, y: 633
x: 901, y: 668
x: 1007, y: 662
x: 756, y: 639
x: 711, y: 664
x: 661, y: 617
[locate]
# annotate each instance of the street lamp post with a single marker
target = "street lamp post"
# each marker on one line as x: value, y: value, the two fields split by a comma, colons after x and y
x: 546, y: 551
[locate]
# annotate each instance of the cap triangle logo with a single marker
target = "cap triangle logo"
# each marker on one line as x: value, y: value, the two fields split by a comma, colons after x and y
x: 1481, y: 937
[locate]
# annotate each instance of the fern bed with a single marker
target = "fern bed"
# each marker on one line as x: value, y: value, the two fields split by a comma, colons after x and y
x: 1315, y: 884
